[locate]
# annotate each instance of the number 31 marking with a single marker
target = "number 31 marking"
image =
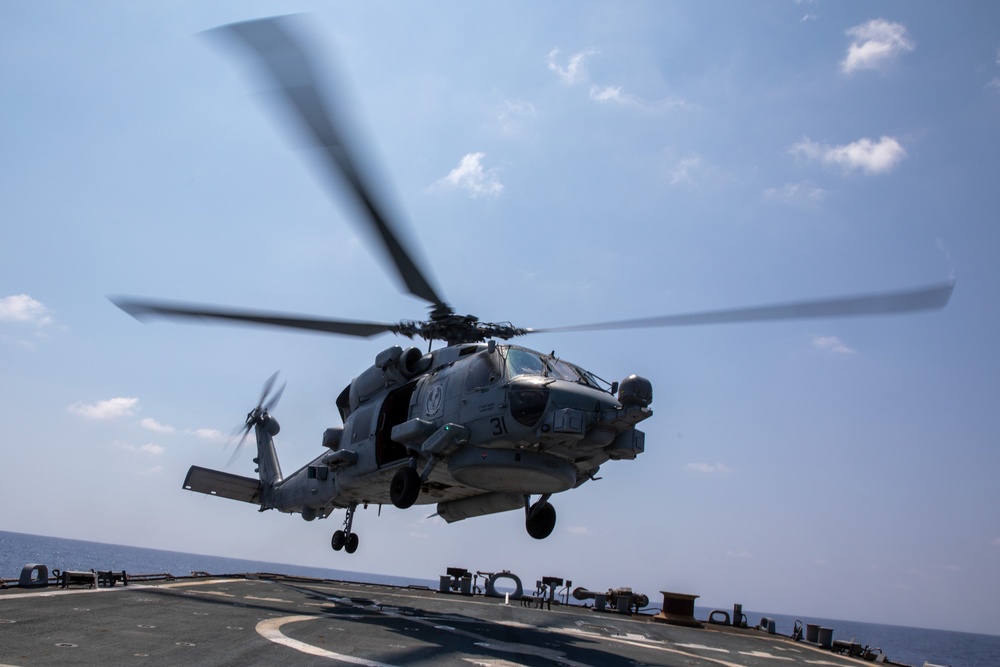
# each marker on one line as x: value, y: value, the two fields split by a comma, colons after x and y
x: 499, y: 425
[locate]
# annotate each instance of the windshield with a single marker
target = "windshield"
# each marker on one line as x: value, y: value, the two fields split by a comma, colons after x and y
x: 525, y: 362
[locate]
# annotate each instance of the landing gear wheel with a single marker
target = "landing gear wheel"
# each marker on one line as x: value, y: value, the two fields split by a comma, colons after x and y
x: 352, y: 543
x: 541, y: 520
x: 404, y: 488
x: 339, y: 540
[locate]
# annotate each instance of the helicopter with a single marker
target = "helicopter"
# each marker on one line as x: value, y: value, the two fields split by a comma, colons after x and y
x: 479, y: 425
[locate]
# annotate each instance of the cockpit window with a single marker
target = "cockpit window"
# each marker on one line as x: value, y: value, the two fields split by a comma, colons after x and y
x: 524, y: 362
x: 560, y: 369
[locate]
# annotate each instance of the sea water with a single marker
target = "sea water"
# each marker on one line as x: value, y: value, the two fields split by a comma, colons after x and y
x: 911, y: 646
x: 19, y: 549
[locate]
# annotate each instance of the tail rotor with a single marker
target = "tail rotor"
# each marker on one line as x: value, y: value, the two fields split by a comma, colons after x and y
x: 265, y: 404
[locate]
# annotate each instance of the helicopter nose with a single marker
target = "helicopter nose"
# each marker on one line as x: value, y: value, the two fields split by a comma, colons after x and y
x: 574, y: 409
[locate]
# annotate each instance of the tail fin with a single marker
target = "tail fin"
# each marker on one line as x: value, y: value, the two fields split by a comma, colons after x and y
x: 268, y: 468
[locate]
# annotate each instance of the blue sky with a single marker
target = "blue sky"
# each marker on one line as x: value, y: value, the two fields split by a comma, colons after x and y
x: 556, y: 164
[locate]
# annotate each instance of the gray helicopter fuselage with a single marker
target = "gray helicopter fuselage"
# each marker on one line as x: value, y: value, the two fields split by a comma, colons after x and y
x: 485, y: 422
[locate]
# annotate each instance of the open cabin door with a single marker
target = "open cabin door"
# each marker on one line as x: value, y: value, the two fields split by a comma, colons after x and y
x: 395, y: 410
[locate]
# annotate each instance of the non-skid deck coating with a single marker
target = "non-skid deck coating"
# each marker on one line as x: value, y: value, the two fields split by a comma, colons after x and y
x: 284, y: 621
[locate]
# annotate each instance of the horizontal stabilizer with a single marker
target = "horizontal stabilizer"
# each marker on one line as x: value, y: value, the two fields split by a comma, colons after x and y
x: 223, y: 484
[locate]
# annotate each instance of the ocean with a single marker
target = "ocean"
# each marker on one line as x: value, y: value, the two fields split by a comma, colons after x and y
x: 910, y: 646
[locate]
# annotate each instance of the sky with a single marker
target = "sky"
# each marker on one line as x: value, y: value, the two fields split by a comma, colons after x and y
x: 553, y: 164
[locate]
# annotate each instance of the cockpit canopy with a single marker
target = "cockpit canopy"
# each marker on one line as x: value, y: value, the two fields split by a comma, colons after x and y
x: 511, y: 361
x: 520, y: 361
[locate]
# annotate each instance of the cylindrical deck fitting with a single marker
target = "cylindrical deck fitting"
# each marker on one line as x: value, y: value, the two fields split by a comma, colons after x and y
x: 678, y: 609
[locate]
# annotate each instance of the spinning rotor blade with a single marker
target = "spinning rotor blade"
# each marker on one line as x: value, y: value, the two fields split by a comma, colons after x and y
x: 268, y: 385
x: 287, y: 62
x: 273, y: 401
x: 264, y: 404
x: 929, y: 298
x: 144, y: 309
x: 243, y: 431
x: 283, y: 60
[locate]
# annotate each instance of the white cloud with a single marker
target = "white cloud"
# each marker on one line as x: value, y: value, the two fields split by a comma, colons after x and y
x: 515, y: 114
x: 875, y: 44
x: 869, y: 156
x: 811, y: 16
x: 993, y: 85
x: 22, y: 308
x: 615, y: 94
x: 832, y: 344
x: 148, y: 448
x: 575, y: 70
x: 685, y: 171
x: 210, y: 434
x: 154, y: 425
x: 113, y: 408
x: 743, y: 553
x: 470, y: 176
x: 796, y: 194
x: 608, y: 94
x: 707, y: 468
x: 579, y: 530
x: 155, y: 470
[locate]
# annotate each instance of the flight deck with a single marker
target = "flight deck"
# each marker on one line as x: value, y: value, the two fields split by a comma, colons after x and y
x: 264, y: 619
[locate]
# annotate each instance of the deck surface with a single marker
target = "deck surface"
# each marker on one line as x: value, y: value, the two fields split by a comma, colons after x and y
x: 245, y: 620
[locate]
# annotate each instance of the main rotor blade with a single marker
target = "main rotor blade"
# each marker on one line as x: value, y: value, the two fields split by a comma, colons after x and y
x: 287, y: 61
x: 141, y: 310
x: 928, y: 298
